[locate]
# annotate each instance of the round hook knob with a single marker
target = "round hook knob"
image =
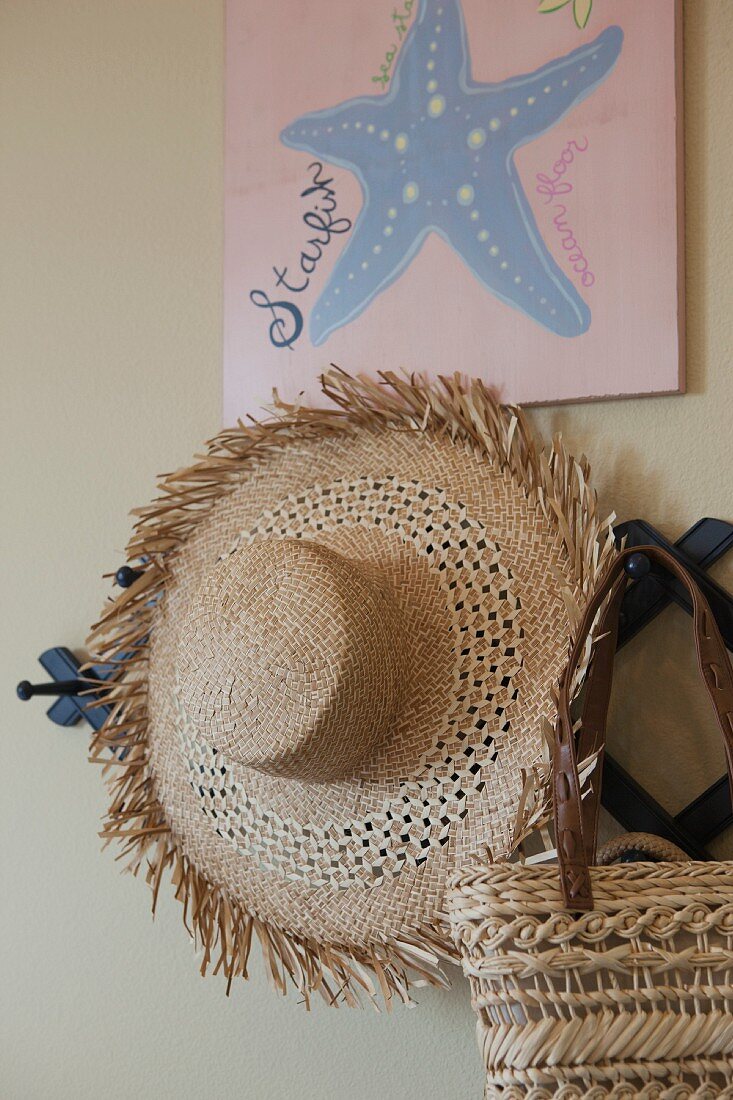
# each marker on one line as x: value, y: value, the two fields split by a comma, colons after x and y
x: 637, y: 566
x: 125, y: 576
x: 26, y: 690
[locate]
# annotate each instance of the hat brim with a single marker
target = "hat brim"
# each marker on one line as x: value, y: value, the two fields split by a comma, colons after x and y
x: 330, y: 876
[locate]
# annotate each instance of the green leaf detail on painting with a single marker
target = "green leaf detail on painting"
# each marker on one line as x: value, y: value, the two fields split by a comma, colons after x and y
x: 551, y: 5
x: 581, y: 12
x: 581, y: 9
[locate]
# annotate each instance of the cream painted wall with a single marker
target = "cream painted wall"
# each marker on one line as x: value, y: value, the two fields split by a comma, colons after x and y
x: 110, y: 182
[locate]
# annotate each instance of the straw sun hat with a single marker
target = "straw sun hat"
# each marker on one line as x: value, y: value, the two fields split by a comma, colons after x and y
x: 334, y: 672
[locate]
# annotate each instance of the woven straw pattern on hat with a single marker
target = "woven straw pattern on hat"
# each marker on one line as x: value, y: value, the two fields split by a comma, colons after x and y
x: 630, y: 999
x: 335, y: 670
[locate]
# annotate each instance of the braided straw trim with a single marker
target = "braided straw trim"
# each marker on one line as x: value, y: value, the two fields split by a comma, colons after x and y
x: 656, y: 847
x: 708, y: 1081
x: 599, y: 1042
x: 552, y: 481
x: 701, y: 1079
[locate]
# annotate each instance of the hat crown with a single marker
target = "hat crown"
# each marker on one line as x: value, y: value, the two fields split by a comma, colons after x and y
x: 288, y: 660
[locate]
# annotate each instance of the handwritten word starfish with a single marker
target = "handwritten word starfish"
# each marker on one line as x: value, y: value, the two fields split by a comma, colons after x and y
x: 435, y: 154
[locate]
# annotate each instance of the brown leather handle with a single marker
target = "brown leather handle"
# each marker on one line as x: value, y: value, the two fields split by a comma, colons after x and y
x: 576, y: 820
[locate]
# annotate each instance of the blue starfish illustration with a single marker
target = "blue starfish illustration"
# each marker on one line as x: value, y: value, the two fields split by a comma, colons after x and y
x: 436, y: 155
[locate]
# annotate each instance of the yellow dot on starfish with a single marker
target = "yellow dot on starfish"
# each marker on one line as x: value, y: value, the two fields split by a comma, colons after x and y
x: 494, y: 250
x: 494, y: 124
x: 392, y: 212
x: 370, y: 129
x: 433, y: 47
x: 476, y: 138
x: 377, y: 249
x: 410, y: 192
x: 547, y: 89
x: 517, y: 279
x: 531, y: 100
x: 474, y: 215
x: 483, y: 235
x: 436, y: 106
x: 503, y: 265
x: 432, y: 85
x: 401, y: 142
x: 384, y: 134
x: 431, y: 65
x: 465, y: 194
x: 388, y: 231
x: 514, y: 112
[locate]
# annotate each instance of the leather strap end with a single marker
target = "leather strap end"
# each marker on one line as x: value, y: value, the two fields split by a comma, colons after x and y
x: 577, y: 894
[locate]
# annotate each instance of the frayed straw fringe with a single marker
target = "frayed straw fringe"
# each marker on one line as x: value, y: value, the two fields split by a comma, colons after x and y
x: 220, y: 927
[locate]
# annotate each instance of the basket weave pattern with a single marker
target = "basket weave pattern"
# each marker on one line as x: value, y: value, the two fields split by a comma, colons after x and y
x: 634, y: 998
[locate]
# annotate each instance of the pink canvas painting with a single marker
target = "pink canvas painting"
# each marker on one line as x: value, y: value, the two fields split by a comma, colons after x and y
x: 442, y: 185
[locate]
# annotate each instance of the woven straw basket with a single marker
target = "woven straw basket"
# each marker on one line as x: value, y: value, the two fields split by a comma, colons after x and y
x: 616, y: 982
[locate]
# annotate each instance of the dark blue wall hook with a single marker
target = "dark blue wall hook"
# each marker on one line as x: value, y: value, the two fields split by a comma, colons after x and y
x: 76, y: 698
